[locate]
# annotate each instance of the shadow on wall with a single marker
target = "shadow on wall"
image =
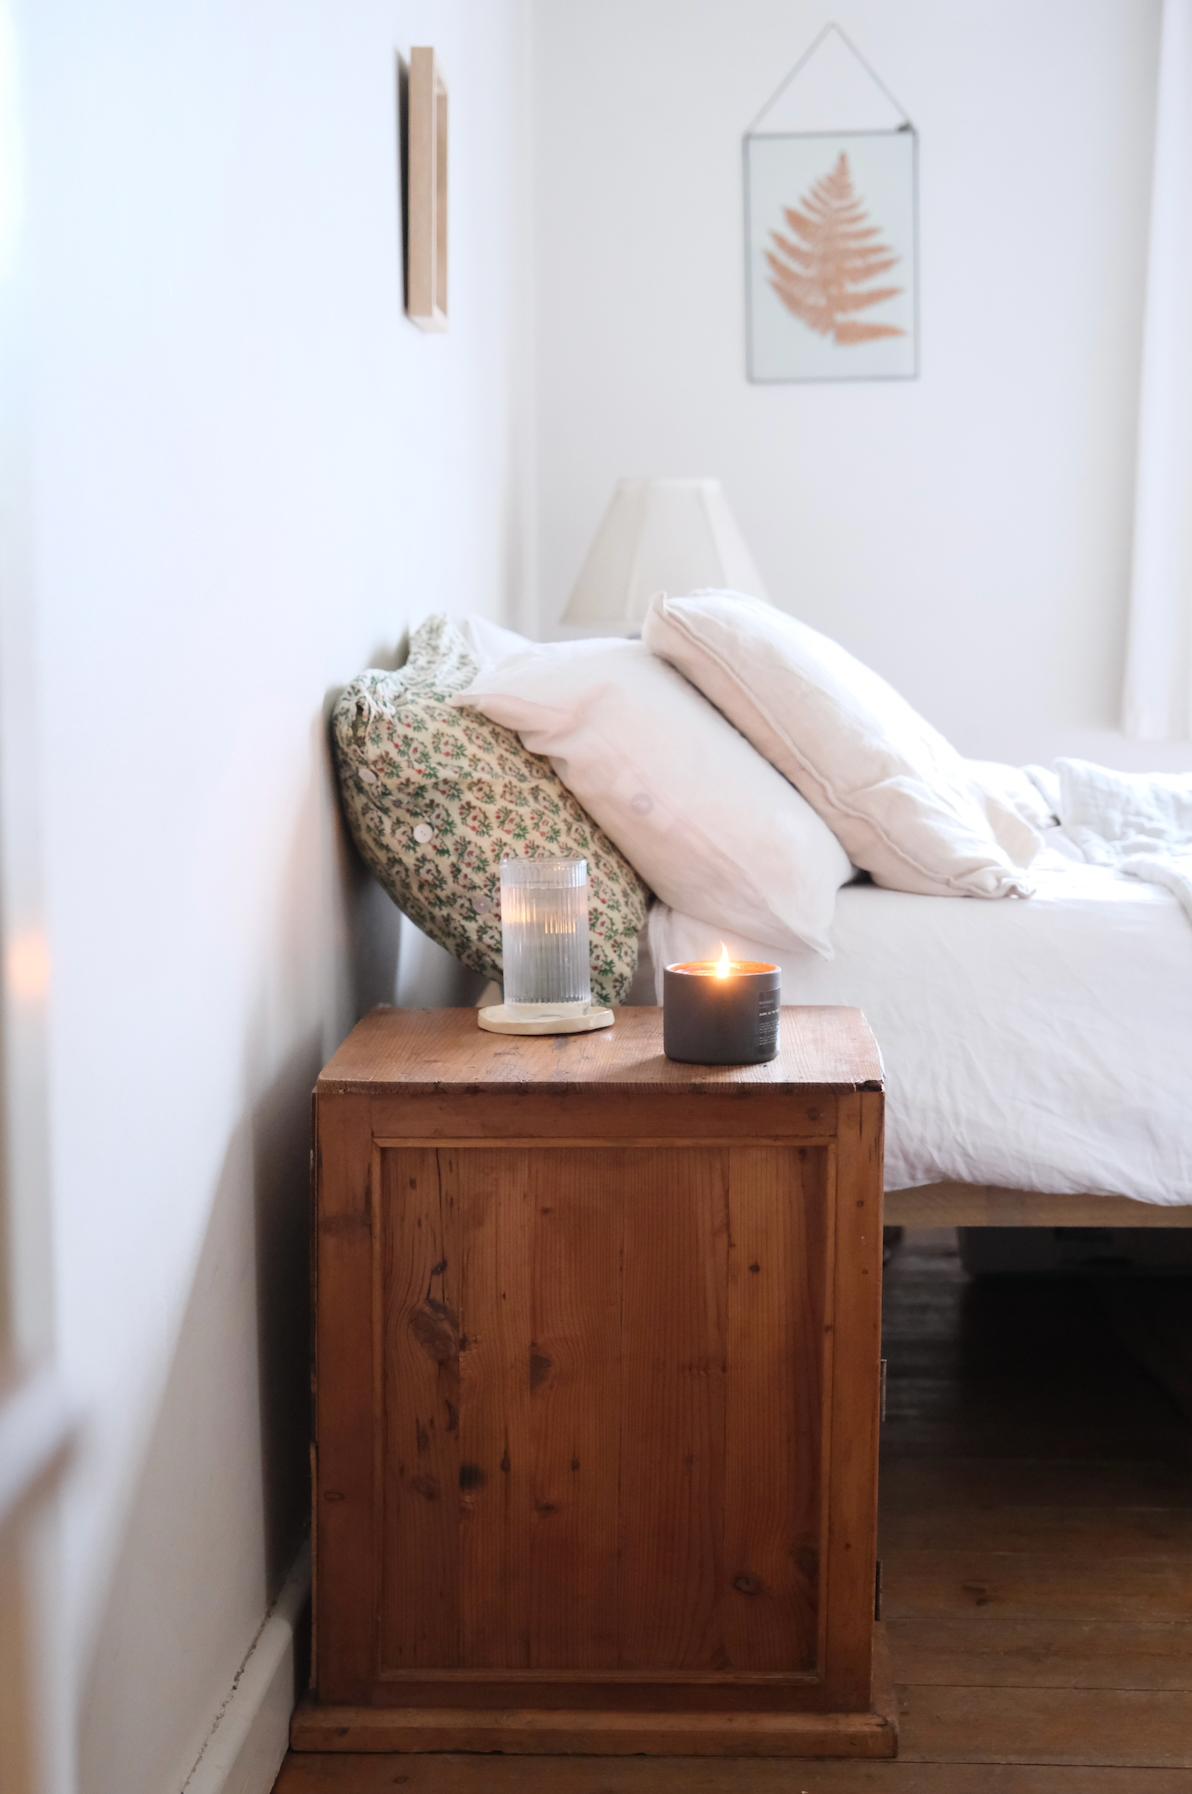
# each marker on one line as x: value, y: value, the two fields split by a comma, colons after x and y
x: 223, y: 1496
x: 393, y: 961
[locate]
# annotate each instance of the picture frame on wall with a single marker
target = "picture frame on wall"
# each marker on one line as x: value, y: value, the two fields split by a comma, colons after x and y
x: 831, y: 227
x: 426, y: 192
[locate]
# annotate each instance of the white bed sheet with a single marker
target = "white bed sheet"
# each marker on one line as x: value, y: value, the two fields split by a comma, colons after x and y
x: 1042, y: 1043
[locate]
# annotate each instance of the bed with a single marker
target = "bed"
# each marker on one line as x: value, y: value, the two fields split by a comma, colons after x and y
x: 742, y: 767
x: 1037, y: 1051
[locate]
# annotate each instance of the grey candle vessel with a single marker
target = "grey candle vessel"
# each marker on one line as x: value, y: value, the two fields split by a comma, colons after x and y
x: 712, y: 1020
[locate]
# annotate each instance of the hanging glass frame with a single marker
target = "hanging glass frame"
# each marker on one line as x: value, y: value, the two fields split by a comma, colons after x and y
x: 831, y: 243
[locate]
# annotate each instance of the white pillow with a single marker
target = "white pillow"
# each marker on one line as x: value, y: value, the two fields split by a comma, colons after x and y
x: 1013, y: 789
x: 900, y: 799
x: 490, y: 641
x: 713, y: 829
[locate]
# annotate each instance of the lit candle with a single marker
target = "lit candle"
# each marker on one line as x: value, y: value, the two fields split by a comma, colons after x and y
x: 721, y: 1011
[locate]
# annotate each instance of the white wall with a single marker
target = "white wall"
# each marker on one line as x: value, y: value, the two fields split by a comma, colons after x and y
x: 248, y: 474
x: 966, y: 533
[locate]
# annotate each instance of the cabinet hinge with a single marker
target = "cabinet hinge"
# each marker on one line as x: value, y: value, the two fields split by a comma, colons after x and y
x: 881, y: 1410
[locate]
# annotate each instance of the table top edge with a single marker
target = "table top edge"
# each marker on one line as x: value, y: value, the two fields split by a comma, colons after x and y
x: 408, y: 1051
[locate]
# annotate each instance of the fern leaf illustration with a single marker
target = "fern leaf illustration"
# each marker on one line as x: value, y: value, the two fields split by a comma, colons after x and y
x: 871, y: 296
x: 849, y: 330
x: 821, y: 270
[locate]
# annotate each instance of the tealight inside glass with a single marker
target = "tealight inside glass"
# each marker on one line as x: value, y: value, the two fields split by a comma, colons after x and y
x: 544, y: 933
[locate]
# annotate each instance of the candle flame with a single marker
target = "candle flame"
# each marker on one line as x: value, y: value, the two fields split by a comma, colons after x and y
x: 722, y: 964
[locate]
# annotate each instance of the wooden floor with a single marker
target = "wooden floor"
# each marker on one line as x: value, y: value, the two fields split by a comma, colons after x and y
x: 1037, y: 1553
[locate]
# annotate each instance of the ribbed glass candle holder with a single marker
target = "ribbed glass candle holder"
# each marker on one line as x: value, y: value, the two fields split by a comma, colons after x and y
x: 544, y: 931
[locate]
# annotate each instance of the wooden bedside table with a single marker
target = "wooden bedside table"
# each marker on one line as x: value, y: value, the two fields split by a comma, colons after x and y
x: 597, y: 1386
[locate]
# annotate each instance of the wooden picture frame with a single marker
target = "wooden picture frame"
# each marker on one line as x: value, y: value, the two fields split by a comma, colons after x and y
x: 426, y: 202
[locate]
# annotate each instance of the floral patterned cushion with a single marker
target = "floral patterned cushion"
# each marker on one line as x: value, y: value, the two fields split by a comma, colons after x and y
x: 437, y: 797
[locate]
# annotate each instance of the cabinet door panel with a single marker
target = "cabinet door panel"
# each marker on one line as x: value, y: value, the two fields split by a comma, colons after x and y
x: 601, y: 1377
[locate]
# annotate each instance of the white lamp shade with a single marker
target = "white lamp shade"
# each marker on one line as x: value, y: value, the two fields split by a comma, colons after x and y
x: 671, y: 536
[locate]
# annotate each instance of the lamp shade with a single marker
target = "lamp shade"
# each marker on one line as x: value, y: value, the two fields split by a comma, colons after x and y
x: 661, y: 536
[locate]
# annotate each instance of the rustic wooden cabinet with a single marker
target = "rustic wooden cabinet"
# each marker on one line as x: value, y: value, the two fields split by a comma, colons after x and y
x: 597, y: 1387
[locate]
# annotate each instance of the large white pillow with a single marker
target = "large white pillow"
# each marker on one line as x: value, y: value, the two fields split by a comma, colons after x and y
x: 1014, y: 789
x: 901, y: 800
x: 489, y: 641
x: 712, y: 828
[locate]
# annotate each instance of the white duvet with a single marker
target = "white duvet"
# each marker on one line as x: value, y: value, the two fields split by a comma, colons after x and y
x: 1042, y: 1043
x: 1139, y: 822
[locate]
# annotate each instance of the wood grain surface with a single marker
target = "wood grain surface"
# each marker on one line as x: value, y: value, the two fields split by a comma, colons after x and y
x: 1045, y: 1695
x: 575, y: 1349
x: 597, y: 1356
x: 1038, y: 1607
x: 596, y: 1732
x: 602, y: 1386
x: 429, y: 1050
x: 419, y: 1460
x: 1049, y: 1652
x: 702, y: 1775
x: 987, y: 1205
x: 1116, y: 1727
x: 344, y: 1521
x: 851, y: 1414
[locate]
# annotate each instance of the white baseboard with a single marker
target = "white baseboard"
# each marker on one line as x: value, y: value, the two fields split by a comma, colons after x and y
x: 251, y: 1734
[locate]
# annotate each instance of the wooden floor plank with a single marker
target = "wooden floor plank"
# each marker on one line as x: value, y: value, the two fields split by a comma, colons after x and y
x: 1026, y: 1585
x: 1057, y: 1530
x: 1048, y: 1653
x: 980, y: 1485
x: 699, y: 1775
x: 1037, y: 1565
x: 1117, y: 1728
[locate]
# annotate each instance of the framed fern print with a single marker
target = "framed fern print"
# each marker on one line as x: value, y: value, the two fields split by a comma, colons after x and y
x: 831, y: 255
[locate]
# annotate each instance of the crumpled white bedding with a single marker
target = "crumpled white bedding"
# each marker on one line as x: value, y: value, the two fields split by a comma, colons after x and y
x: 1139, y: 822
x: 1042, y: 1043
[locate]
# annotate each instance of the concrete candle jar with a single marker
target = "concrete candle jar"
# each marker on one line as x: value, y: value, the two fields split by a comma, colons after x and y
x: 721, y: 1012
